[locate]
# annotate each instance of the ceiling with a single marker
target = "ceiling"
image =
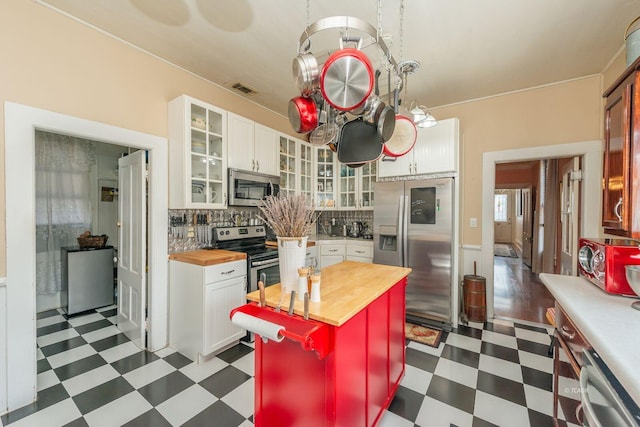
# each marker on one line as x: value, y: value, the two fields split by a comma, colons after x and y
x: 467, y: 49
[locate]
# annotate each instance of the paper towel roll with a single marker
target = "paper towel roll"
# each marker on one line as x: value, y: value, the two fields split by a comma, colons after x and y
x: 265, y: 329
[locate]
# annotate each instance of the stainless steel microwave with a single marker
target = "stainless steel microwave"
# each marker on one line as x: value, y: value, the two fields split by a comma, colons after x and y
x: 251, y: 188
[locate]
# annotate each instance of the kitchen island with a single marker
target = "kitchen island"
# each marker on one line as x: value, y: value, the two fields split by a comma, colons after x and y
x: 608, y: 323
x: 343, y: 365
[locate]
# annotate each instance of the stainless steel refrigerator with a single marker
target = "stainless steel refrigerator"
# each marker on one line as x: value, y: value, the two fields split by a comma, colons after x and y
x: 413, y: 227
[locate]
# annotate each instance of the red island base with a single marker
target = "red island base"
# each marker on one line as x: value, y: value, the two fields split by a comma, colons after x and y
x: 325, y: 375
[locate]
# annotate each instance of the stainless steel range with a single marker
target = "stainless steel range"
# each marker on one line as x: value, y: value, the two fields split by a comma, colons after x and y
x: 251, y: 240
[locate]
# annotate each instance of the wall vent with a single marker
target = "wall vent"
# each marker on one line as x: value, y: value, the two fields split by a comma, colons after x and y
x: 243, y: 88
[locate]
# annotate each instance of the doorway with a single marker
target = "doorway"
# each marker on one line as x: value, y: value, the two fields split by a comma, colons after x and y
x: 591, y: 153
x: 20, y: 123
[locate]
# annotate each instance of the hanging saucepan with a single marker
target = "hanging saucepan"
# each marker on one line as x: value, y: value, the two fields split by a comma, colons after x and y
x: 359, y: 142
x: 405, y: 133
x: 303, y: 114
x: 346, y: 79
x: 380, y: 114
x: 306, y: 73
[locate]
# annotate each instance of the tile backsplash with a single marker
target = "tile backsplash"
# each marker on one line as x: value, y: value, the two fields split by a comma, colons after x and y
x: 190, y: 229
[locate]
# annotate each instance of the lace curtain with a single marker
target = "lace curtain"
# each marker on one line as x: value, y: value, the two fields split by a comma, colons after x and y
x: 63, y: 204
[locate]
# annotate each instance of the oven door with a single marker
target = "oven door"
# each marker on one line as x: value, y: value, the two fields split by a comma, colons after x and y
x: 269, y: 267
x: 251, y: 188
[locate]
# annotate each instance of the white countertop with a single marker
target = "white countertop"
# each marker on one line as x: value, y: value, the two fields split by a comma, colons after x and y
x: 608, y: 322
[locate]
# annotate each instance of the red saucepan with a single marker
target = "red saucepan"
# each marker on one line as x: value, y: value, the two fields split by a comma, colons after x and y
x: 303, y: 114
x: 403, y: 138
x: 346, y: 79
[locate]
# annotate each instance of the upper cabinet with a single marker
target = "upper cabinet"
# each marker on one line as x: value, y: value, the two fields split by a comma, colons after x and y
x: 197, y: 154
x: 356, y: 185
x: 621, y: 180
x: 295, y: 166
x: 252, y: 147
x: 435, y: 151
x: 325, y: 177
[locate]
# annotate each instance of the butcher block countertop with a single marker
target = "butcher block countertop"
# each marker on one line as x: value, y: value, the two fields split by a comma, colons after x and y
x: 345, y: 289
x: 208, y: 257
x: 607, y: 321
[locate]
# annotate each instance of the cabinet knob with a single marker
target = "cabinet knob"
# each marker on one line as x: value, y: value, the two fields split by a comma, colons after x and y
x: 257, y: 165
x: 118, y: 224
x: 253, y: 165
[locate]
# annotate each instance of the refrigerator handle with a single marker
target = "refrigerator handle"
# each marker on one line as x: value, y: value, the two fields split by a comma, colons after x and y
x: 405, y: 231
x: 400, y: 236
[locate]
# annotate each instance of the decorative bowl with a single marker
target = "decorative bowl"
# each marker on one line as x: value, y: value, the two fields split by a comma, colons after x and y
x: 633, y: 277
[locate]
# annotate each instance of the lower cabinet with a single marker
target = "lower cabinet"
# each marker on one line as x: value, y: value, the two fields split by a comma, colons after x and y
x: 201, y: 299
x: 567, y: 360
x: 333, y: 252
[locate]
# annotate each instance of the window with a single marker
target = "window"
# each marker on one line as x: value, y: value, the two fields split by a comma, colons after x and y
x: 500, y: 208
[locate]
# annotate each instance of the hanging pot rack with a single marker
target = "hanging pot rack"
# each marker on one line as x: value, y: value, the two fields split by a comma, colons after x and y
x: 345, y: 24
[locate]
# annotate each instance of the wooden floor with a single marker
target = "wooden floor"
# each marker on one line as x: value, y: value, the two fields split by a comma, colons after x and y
x: 518, y: 293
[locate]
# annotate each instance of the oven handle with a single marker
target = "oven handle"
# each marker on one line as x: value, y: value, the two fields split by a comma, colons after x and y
x: 264, y: 263
x: 587, y: 408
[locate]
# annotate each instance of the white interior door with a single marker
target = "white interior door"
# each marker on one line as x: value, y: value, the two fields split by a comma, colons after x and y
x: 569, y: 213
x: 132, y: 295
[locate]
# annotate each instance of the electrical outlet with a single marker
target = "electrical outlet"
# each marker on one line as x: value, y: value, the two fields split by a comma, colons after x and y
x: 473, y: 222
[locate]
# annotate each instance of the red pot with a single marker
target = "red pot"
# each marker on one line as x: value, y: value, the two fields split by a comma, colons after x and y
x: 403, y: 138
x: 346, y: 79
x: 303, y: 114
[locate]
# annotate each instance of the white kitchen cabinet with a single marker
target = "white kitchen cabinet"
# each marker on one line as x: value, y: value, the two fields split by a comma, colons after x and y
x: 331, y: 253
x: 324, y: 179
x: 356, y: 186
x: 200, y: 300
x: 335, y: 251
x: 435, y: 151
x: 359, y: 251
x: 197, y: 155
x: 311, y: 256
x: 296, y: 161
x: 252, y: 146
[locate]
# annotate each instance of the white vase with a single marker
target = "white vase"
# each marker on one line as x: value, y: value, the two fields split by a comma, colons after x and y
x: 291, y: 252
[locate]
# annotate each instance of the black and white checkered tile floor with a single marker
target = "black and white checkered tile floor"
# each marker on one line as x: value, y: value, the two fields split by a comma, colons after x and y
x: 90, y: 374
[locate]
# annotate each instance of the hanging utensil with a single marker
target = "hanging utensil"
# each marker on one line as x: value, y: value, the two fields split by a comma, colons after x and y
x: 303, y: 114
x: 326, y: 132
x: 405, y: 135
x: 346, y: 79
x: 359, y: 142
x: 380, y: 114
x: 306, y: 73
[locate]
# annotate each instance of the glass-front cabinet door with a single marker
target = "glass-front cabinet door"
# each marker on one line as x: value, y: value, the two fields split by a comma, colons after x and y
x: 325, y: 177
x: 347, y: 187
x: 207, y: 148
x: 288, y: 167
x: 306, y: 169
x: 368, y: 177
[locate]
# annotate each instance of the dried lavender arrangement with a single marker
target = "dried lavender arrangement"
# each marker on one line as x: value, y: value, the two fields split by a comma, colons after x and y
x: 289, y: 215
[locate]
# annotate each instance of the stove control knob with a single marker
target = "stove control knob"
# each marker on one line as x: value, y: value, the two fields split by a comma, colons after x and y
x: 227, y: 232
x: 222, y: 233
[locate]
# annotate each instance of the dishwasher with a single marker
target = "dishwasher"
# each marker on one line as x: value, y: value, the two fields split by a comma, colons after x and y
x: 88, y: 277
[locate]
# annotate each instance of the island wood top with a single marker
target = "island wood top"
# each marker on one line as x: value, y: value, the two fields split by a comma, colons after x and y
x: 345, y: 289
x: 206, y: 257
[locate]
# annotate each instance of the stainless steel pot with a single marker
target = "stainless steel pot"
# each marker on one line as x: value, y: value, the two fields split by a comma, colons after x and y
x: 306, y: 73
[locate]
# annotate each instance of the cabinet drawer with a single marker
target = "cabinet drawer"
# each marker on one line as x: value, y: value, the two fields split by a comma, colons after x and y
x: 571, y: 335
x: 332, y: 250
x: 228, y: 270
x: 360, y: 251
